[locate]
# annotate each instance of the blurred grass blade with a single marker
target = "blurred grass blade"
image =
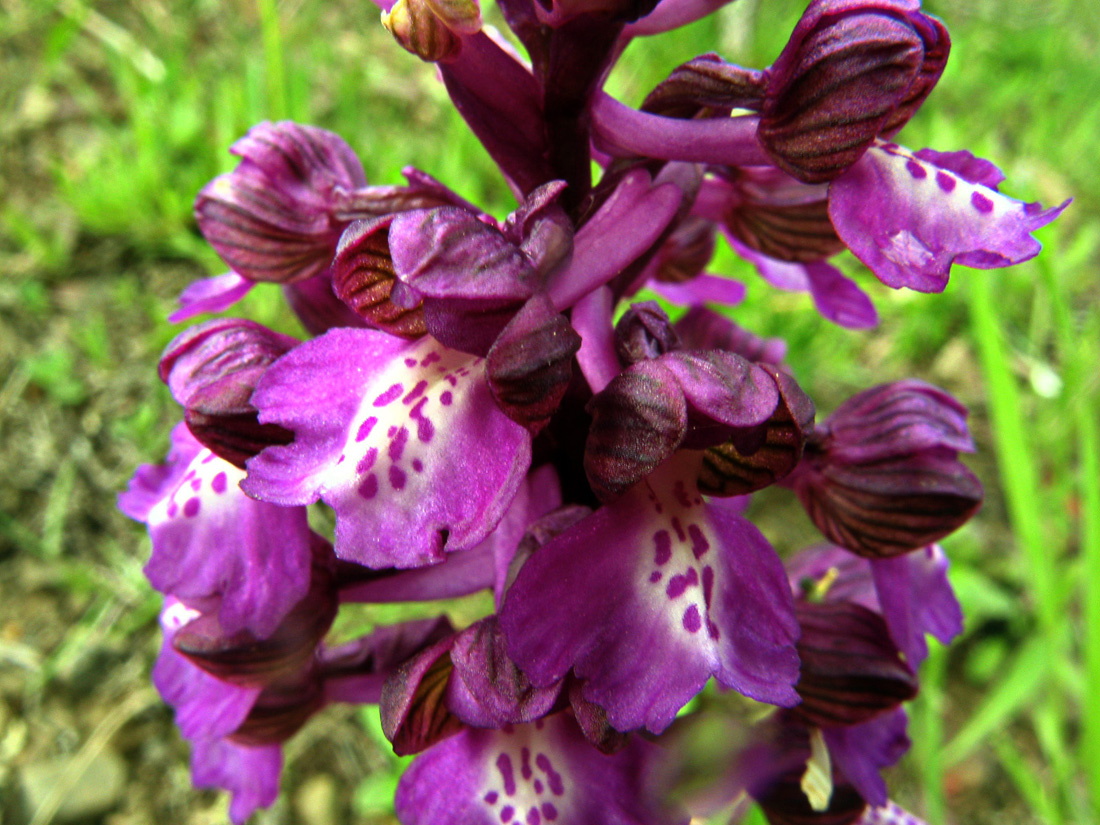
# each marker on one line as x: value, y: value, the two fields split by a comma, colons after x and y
x: 1027, y: 781
x: 114, y: 37
x: 1022, y: 679
x: 273, y: 59
x: 1018, y: 472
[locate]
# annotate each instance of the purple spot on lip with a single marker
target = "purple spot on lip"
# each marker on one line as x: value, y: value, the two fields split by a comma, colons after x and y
x: 663, y: 541
x: 389, y: 395
x: 365, y: 428
x: 506, y: 813
x: 410, y: 362
x: 680, y: 491
x: 533, y: 817
x: 368, y: 488
x: 699, y: 543
x: 557, y: 786
x: 981, y: 203
x: 916, y: 170
x: 208, y: 459
x: 537, y: 785
x: 397, y: 445
x: 492, y: 797
x: 549, y: 811
x: 679, y: 528
x: 418, y: 465
x: 679, y: 583
x: 655, y: 576
x: 708, y: 584
x: 219, y: 484
x: 196, y: 484
x: 430, y: 358
x: 415, y: 392
x: 191, y: 508
x: 367, y: 461
x: 450, y: 379
x: 504, y: 765
x: 712, y: 630
x: 424, y: 427
x: 692, y: 620
x: 446, y: 398
x: 525, y: 763
x: 173, y: 508
x: 945, y: 181
x: 397, y: 477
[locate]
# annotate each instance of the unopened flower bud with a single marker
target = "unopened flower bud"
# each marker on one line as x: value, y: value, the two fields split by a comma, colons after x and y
x: 851, y: 71
x: 644, y: 332
x: 432, y: 30
x: 211, y: 370
x: 881, y: 476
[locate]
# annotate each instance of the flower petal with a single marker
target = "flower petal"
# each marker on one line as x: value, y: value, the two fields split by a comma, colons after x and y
x: 650, y: 596
x: 909, y: 219
x: 384, y: 433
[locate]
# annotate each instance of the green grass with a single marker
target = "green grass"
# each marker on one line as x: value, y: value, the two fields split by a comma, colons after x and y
x: 131, y: 109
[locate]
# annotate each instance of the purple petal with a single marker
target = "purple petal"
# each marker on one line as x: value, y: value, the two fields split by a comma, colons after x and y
x: 209, y: 538
x: 917, y: 598
x: 215, y: 294
x: 650, y: 596
x: 591, y: 319
x: 861, y: 751
x: 889, y: 814
x: 672, y: 14
x: 384, y: 431
x: 205, y: 707
x: 908, y: 220
x: 544, y: 773
x: 250, y: 774
x: 836, y: 296
x: 701, y: 289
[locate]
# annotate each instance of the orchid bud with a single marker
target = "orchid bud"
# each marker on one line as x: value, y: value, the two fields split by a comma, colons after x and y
x: 850, y: 668
x: 413, y: 705
x: 851, y: 71
x: 432, y: 30
x: 644, y: 332
x: 702, y: 328
x: 275, y: 217
x: 881, y: 476
x: 211, y: 370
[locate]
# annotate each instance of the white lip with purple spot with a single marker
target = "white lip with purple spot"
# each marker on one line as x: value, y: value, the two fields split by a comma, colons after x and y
x: 201, y: 490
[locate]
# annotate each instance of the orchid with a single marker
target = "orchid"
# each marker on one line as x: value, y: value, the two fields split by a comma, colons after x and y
x: 494, y: 404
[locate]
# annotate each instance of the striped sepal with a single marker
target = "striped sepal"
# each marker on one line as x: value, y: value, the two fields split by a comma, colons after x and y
x: 729, y: 472
x: 850, y: 670
x: 799, y: 232
x: 888, y: 508
x: 363, y: 278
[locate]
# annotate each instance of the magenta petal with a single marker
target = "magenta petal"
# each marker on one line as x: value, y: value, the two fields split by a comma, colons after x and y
x: 650, y: 596
x: 205, y: 707
x: 543, y: 773
x: 250, y: 774
x: 861, y: 751
x: 384, y: 432
x: 215, y: 294
x: 700, y: 290
x: 908, y: 219
x: 917, y: 598
x: 209, y: 538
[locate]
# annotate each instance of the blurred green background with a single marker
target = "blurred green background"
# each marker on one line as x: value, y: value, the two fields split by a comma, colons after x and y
x: 115, y: 113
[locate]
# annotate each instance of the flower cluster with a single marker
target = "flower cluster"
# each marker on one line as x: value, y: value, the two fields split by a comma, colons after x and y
x: 474, y: 417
